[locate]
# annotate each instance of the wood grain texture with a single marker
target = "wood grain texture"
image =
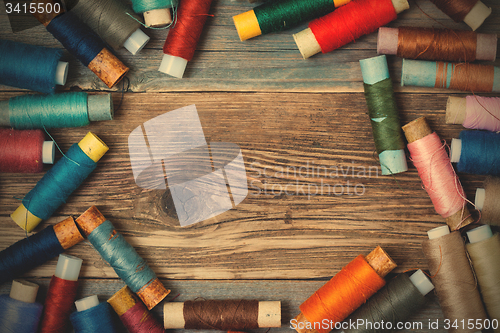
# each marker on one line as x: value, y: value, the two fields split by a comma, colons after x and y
x: 291, y: 294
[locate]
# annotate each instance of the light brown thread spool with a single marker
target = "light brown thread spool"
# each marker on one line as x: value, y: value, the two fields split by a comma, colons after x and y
x: 416, y: 130
x: 453, y: 279
x: 378, y: 259
x: 472, y: 12
x: 484, y: 251
x: 105, y: 65
x: 465, y: 77
x: 487, y: 201
x: 222, y: 314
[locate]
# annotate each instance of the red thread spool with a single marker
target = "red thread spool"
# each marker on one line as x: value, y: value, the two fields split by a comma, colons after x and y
x: 182, y: 39
x: 61, y: 295
x: 345, y: 24
x: 24, y: 151
x: 132, y: 312
x: 345, y: 292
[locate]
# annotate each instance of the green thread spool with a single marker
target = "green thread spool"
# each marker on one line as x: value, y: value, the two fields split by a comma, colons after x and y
x: 484, y: 251
x: 384, y: 116
x: 280, y: 15
x: 113, y: 21
x: 72, y: 109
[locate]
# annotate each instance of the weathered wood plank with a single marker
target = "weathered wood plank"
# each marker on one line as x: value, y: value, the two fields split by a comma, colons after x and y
x: 286, y: 228
x: 266, y: 63
x: 290, y: 293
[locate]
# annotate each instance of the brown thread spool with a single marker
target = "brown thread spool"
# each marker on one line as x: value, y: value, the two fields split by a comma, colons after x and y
x: 452, y: 276
x: 418, y: 129
x: 105, y: 65
x: 487, y: 201
x: 153, y: 292
x: 472, y: 12
x: 484, y: 251
x: 381, y: 263
x: 222, y: 314
x: 436, y: 44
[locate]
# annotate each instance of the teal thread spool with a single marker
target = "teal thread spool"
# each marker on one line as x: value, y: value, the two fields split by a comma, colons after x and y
x: 462, y: 76
x: 122, y: 257
x: 31, y: 67
x: 384, y: 116
x: 72, y: 109
x: 156, y: 12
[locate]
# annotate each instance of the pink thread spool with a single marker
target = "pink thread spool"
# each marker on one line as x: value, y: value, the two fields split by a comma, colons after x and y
x: 474, y: 112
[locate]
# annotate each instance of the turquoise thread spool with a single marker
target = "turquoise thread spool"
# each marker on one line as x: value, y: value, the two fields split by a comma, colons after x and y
x: 72, y: 109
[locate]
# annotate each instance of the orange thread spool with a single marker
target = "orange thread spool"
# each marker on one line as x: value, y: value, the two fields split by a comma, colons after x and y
x: 345, y: 292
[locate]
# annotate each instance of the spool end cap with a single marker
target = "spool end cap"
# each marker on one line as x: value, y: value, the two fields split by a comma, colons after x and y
x: 421, y: 282
x: 86, y: 303
x: 136, y: 41
x: 68, y: 267
x: 157, y: 18
x: 438, y: 232
x: 23, y: 291
x: 25, y: 219
x: 480, y: 197
x: 61, y: 73
x: 479, y: 234
x: 455, y: 150
x: 173, y: 66
x: 48, y: 152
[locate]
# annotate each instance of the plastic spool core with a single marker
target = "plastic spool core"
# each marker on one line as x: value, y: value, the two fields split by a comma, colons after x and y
x: 86, y: 303
x: 68, y: 267
x: 157, y: 18
x: 480, y: 197
x: 479, y: 234
x: 100, y: 107
x: 136, y: 41
x: 455, y: 150
x: 421, y: 282
x: 172, y: 65
x: 23, y: 291
x: 438, y: 232
x: 477, y: 15
x: 48, y: 152
x: 61, y: 73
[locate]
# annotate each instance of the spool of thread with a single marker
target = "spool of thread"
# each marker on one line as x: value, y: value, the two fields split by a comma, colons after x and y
x: 401, y: 298
x: 59, y: 182
x: 120, y: 255
x: 459, y: 76
x: 345, y: 292
x: 476, y: 152
x: 222, y: 314
x: 61, y: 295
x: 281, y: 15
x: 344, y: 25
x: 133, y: 314
x: 438, y: 176
x: 83, y: 43
x: 71, y: 109
x: 436, y: 44
x: 31, y: 67
x: 92, y: 317
x: 24, y: 151
x: 484, y: 251
x: 474, y: 112
x: 182, y: 39
x: 487, y: 201
x: 38, y: 248
x: 452, y: 277
x: 113, y: 22
x: 156, y: 12
x: 384, y: 116
x: 471, y: 12
x: 19, y: 313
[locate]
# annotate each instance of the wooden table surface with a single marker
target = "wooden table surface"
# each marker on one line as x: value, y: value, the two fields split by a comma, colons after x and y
x: 285, y: 113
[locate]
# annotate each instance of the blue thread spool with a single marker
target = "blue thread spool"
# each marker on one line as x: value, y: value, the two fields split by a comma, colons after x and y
x: 477, y: 152
x: 85, y: 45
x: 38, y: 248
x: 31, y: 67
x: 19, y: 313
x: 59, y: 182
x: 128, y: 265
x: 92, y: 317
x: 72, y: 109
